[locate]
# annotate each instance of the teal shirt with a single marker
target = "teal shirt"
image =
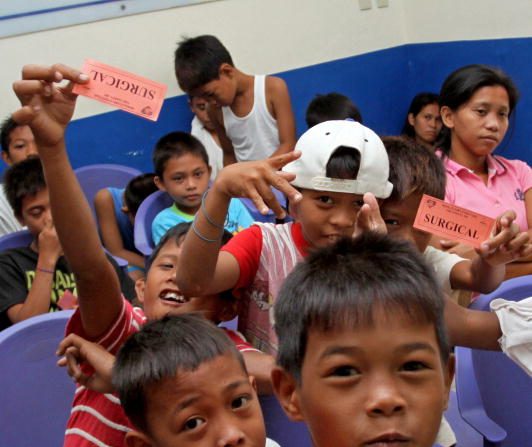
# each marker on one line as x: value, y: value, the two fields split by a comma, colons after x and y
x: 238, y: 219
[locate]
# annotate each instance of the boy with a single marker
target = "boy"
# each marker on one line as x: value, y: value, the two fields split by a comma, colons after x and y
x: 342, y: 167
x: 183, y: 362
x: 363, y: 358
x: 203, y: 129
x: 17, y: 143
x: 103, y: 316
x: 252, y: 115
x: 332, y: 106
x: 33, y: 279
x: 415, y: 171
x: 182, y: 170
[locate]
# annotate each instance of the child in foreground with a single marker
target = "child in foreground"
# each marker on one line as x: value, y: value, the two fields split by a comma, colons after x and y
x: 103, y: 316
x: 364, y: 357
x: 182, y: 170
x: 181, y: 381
x: 252, y: 115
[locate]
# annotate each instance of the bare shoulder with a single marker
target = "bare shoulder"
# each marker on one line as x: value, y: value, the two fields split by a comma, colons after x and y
x: 275, y: 87
x: 102, y: 197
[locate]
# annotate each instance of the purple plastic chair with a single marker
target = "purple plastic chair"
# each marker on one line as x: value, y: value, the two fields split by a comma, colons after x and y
x: 36, y: 394
x: 492, y: 383
x: 149, y: 208
x: 21, y: 238
x: 281, y: 429
x: 270, y: 216
x: 92, y: 178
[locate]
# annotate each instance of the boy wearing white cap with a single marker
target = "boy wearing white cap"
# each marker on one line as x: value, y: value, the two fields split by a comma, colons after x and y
x: 339, y: 168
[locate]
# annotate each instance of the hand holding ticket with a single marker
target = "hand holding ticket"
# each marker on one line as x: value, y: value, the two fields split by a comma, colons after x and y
x: 119, y: 88
x: 497, y: 241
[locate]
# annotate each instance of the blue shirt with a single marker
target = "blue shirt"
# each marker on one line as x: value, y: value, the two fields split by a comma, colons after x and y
x: 238, y: 219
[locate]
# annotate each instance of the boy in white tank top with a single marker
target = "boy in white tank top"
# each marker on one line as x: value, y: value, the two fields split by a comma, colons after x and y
x: 252, y: 115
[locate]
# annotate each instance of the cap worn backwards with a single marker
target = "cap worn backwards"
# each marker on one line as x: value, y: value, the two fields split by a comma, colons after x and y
x: 318, y: 144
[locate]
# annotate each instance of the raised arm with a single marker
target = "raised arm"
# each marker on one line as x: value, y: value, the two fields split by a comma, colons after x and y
x: 112, y: 239
x: 279, y: 98
x: 202, y: 269
x: 48, y: 109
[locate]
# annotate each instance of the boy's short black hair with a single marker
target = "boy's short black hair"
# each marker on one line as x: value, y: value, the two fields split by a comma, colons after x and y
x: 176, y: 144
x: 342, y: 286
x: 25, y: 178
x: 414, y: 169
x: 197, y: 61
x: 159, y: 351
x: 8, y: 125
x: 137, y: 189
x: 332, y: 106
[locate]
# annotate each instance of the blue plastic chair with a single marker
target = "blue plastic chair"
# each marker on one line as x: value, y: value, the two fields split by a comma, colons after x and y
x: 149, y: 208
x: 281, y: 429
x: 36, y: 394
x: 92, y: 178
x: 492, y: 384
x: 269, y: 216
x: 21, y: 238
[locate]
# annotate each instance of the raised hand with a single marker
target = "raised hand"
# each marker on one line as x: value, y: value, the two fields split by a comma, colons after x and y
x: 47, y: 107
x: 369, y: 217
x: 254, y: 180
x: 507, y: 243
x: 76, y: 351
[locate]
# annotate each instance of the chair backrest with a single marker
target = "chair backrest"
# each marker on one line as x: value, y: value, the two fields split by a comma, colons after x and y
x: 281, y: 429
x: 269, y: 216
x: 21, y: 238
x: 36, y: 394
x: 149, y: 208
x: 92, y: 178
x: 505, y: 389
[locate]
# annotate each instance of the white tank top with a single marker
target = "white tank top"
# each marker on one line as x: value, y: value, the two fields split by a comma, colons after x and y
x: 254, y: 136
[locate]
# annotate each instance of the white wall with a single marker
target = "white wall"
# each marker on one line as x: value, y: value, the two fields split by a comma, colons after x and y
x: 262, y: 36
x: 448, y: 20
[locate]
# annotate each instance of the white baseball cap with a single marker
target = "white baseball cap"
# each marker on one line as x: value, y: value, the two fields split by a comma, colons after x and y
x: 318, y: 144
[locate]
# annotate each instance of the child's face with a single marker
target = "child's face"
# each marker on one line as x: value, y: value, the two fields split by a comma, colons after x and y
x: 21, y: 145
x: 399, y: 218
x: 214, y: 405
x: 185, y: 178
x: 381, y: 385
x: 35, y: 212
x: 160, y: 295
x: 199, y: 108
x: 325, y: 217
x: 219, y: 92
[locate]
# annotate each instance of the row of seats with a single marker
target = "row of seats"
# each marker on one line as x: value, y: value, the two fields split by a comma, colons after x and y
x: 491, y: 405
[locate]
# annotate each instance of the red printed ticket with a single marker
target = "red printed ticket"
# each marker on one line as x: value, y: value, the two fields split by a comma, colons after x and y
x: 452, y: 222
x: 119, y: 88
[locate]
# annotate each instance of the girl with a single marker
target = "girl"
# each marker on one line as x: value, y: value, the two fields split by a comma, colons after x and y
x: 423, y: 122
x: 476, y: 104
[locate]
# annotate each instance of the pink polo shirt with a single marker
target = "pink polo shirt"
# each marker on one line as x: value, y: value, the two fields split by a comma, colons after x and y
x: 508, y: 181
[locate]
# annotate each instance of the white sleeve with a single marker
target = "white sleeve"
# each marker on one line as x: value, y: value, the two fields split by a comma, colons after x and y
x: 442, y: 262
x: 515, y: 318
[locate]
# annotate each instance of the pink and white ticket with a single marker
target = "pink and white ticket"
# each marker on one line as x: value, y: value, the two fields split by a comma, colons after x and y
x: 124, y: 90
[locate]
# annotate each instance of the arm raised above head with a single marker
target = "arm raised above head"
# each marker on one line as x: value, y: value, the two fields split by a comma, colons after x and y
x: 48, y: 108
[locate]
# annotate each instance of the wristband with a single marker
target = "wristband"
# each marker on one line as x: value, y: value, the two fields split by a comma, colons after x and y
x: 45, y: 270
x: 204, y: 211
x: 203, y: 238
